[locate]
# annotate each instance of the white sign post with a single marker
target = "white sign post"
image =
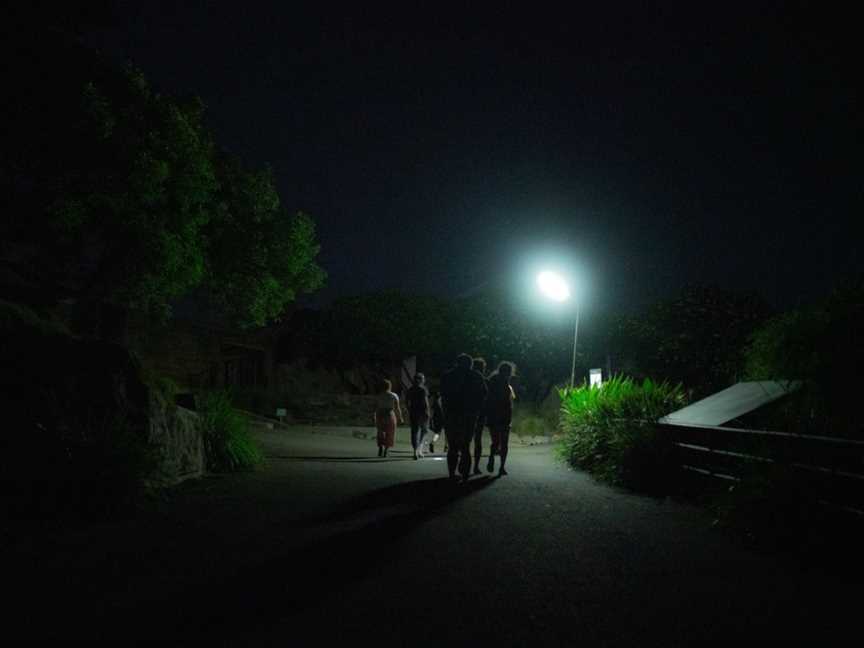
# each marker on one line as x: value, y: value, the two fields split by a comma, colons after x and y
x: 281, y: 413
x: 595, y: 377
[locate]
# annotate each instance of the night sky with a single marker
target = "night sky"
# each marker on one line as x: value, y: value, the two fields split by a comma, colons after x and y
x: 442, y: 151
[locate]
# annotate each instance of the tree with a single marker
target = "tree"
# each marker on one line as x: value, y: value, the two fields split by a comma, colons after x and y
x: 696, y: 339
x: 493, y: 324
x: 118, y: 198
x: 259, y: 255
x: 389, y: 326
x: 821, y: 347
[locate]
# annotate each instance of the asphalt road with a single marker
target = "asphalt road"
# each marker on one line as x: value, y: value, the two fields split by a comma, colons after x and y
x: 331, y: 545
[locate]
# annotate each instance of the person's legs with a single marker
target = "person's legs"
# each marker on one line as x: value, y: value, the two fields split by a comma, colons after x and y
x: 494, y: 437
x: 504, y: 447
x: 424, y: 434
x: 379, y: 428
x: 478, y: 443
x: 415, y: 431
x: 467, y: 424
x: 464, y: 448
x: 452, y: 450
x: 390, y: 432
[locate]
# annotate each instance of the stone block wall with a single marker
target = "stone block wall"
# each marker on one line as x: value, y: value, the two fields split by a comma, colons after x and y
x: 176, y: 434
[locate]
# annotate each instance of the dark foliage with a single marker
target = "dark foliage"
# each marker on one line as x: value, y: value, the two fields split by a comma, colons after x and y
x: 696, y: 339
x: 75, y: 440
x: 115, y: 196
x: 389, y: 326
x: 822, y: 347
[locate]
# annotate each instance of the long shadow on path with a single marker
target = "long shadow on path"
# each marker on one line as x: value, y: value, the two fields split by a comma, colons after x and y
x: 340, y: 459
x: 290, y: 578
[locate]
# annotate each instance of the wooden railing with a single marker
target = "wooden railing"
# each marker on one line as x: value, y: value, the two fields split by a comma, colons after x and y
x: 828, y: 470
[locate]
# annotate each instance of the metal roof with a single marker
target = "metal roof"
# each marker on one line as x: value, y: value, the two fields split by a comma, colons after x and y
x: 729, y: 404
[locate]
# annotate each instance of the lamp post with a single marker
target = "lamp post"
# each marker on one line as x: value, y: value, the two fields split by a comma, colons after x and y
x: 553, y: 286
x: 575, y: 339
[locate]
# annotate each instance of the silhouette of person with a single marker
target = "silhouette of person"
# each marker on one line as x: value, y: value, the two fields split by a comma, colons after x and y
x: 386, y: 409
x: 463, y: 392
x: 499, y: 414
x: 417, y: 403
x: 479, y: 365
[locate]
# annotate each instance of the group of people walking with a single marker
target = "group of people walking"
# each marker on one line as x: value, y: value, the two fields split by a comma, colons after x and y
x: 466, y: 404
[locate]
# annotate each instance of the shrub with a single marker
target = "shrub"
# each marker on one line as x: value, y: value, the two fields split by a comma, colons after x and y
x: 610, y: 431
x: 165, y: 388
x: 228, y: 447
x: 820, y: 346
x: 527, y: 422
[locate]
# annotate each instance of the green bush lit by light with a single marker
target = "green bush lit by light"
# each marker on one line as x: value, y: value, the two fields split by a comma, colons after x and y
x: 610, y: 431
x: 228, y: 446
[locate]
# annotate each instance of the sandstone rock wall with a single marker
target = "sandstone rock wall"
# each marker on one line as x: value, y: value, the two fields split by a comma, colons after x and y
x: 175, y: 433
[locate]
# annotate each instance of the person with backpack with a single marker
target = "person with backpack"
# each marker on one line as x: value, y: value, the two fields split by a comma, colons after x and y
x: 417, y: 402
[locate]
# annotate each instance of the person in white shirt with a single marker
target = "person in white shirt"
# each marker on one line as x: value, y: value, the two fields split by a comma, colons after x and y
x: 386, y: 411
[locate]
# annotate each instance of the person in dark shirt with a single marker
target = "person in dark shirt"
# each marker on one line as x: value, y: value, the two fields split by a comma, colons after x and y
x: 479, y: 365
x: 417, y: 402
x: 499, y: 414
x: 463, y: 392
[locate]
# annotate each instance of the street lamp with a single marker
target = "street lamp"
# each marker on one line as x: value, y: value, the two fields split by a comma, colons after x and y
x: 555, y: 287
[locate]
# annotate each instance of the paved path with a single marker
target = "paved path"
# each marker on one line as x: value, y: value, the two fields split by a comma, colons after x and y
x: 330, y: 544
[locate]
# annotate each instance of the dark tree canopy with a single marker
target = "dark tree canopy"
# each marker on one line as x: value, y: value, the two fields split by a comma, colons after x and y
x: 697, y: 338
x: 259, y: 256
x: 117, y: 196
x: 389, y: 326
x: 820, y: 346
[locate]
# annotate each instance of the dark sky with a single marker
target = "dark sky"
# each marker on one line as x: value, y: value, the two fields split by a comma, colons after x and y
x: 440, y: 150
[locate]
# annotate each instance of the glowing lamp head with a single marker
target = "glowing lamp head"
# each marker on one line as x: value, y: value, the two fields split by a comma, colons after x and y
x: 553, y: 286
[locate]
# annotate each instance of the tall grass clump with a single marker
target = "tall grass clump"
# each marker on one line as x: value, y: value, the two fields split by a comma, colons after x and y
x: 610, y: 431
x: 228, y: 446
